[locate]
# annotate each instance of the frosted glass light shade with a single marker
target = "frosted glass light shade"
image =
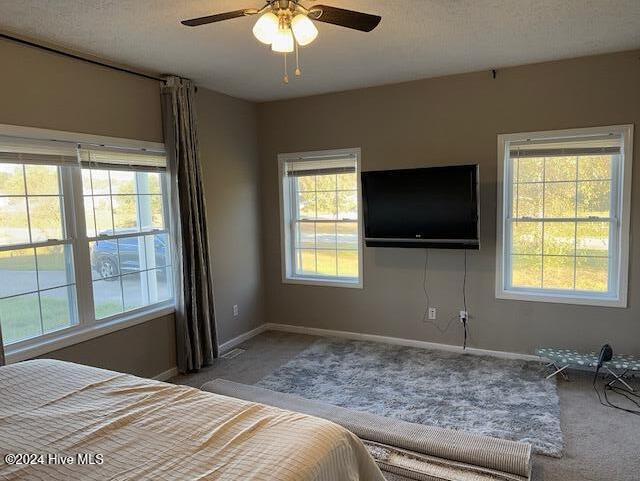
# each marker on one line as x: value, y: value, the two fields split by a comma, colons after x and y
x: 283, y: 41
x: 304, y: 29
x: 266, y: 28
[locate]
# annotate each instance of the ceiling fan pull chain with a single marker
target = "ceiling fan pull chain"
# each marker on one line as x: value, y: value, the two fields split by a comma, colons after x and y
x: 285, y: 79
x: 298, y: 69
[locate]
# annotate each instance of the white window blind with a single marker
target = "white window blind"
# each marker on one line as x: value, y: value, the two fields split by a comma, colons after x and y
x: 320, y: 166
x: 123, y: 159
x: 33, y: 151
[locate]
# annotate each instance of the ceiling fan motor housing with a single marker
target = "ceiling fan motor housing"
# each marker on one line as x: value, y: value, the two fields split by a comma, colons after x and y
x: 286, y: 4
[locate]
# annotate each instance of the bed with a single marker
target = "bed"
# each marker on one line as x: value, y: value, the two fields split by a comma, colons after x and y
x: 80, y: 422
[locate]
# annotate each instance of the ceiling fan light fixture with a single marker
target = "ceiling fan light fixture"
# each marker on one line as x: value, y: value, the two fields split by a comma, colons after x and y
x: 266, y: 28
x: 303, y: 29
x: 286, y: 25
x: 283, y: 41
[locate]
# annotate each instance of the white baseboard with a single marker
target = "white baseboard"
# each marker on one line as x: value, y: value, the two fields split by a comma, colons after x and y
x: 166, y: 375
x: 230, y: 344
x: 314, y: 331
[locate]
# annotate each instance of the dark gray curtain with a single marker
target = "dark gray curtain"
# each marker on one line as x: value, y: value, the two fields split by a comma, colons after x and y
x: 1, y: 347
x: 196, y: 338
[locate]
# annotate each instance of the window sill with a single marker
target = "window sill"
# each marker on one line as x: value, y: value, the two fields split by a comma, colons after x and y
x: 561, y: 298
x: 313, y: 281
x: 31, y: 348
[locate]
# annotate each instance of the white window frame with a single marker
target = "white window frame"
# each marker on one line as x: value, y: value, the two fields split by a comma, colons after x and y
x: 87, y: 327
x: 286, y: 250
x: 619, y: 267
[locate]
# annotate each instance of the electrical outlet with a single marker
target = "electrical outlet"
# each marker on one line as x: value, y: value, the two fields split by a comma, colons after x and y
x: 236, y: 311
x: 464, y: 316
x: 432, y: 313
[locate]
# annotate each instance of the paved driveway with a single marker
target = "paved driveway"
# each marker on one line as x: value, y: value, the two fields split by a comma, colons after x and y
x: 105, y: 291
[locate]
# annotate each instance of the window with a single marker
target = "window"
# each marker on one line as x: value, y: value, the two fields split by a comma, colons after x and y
x: 84, y: 237
x: 37, y: 292
x: 321, y: 231
x: 563, y: 232
x: 126, y: 230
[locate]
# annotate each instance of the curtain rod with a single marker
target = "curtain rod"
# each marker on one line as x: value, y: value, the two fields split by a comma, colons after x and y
x: 77, y: 57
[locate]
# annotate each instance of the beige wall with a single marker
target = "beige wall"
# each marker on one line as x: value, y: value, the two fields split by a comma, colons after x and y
x: 49, y: 91
x: 145, y: 350
x: 227, y: 129
x: 44, y: 90
x: 446, y: 121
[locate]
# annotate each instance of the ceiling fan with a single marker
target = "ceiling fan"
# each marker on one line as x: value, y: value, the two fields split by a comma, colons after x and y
x: 286, y: 24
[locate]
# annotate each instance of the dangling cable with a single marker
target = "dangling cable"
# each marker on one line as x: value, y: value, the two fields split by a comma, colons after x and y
x: 464, y: 301
x: 606, y: 355
x: 298, y: 70
x: 427, y: 299
x: 425, y: 282
x: 464, y: 282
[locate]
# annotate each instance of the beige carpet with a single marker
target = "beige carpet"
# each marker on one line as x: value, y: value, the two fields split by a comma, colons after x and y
x: 600, y: 444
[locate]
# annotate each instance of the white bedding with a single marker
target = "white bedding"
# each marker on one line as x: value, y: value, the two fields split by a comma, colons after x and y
x: 144, y: 429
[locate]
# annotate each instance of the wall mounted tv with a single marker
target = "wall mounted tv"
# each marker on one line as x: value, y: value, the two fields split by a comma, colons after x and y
x: 435, y: 207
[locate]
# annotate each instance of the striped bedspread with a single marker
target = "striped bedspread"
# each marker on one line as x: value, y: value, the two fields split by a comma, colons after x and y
x: 71, y: 422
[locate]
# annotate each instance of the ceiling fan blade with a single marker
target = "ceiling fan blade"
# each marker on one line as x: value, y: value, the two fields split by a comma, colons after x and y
x: 344, y: 18
x: 194, y: 22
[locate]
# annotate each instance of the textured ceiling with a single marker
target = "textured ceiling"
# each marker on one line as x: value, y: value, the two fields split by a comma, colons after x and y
x: 416, y: 39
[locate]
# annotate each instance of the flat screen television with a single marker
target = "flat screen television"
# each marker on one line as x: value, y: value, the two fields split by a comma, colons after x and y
x: 428, y: 207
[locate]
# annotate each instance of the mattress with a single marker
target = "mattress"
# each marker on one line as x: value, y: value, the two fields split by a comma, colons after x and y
x: 67, y: 421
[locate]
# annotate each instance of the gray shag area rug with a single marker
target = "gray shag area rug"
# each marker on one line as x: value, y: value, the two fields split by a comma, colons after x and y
x: 503, y: 398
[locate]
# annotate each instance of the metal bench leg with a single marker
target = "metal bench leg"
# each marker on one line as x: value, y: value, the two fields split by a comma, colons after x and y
x: 558, y: 371
x: 619, y: 379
